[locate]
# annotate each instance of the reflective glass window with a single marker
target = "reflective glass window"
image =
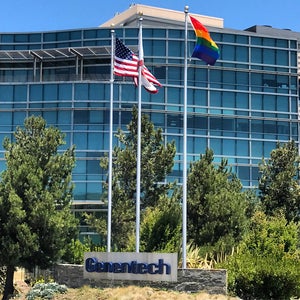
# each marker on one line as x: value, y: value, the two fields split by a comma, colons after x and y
x: 75, y: 35
x: 158, y: 119
x: 243, y: 172
x: 81, y: 91
x: 159, y: 48
x: 20, y: 93
x: 282, y: 57
x: 256, y: 40
x: 21, y: 38
x: 7, y: 38
x: 242, y: 101
x: 179, y: 34
x: 241, y: 39
x: 65, y: 91
x: 80, y: 140
x: 132, y: 32
x: 230, y: 38
x: 6, y: 92
x: 242, y: 54
x: 6, y: 119
x: 19, y: 117
x: 175, y: 75
x: 94, y: 92
x: 216, y: 79
x: 128, y: 92
x: 93, y: 166
x: 201, y: 77
x: 242, y: 148
x: 195, y: 122
x: 96, y: 141
x: 50, y: 92
x: 50, y: 37
x: 269, y: 56
x: 174, y: 95
x: 62, y: 36
x: 269, y: 102
x: 81, y: 116
x: 242, y: 80
x: 256, y: 55
x: 90, y: 34
x: 158, y: 33
x: 257, y: 126
x: 281, y: 43
x: 64, y: 117
x: 229, y: 79
x: 257, y: 148
x: 242, y: 125
x: 256, y: 81
x: 35, y: 37
x: 282, y: 104
x: 176, y: 49
x: 228, y: 52
x: 216, y: 146
x: 50, y: 117
x: 216, y: 123
x: 215, y: 98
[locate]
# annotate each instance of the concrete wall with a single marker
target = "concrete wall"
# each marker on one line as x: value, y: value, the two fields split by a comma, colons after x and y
x: 189, y: 280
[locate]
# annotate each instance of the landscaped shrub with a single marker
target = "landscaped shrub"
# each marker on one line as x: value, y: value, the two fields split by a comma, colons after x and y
x: 264, y: 277
x: 45, y: 291
x: 267, y: 263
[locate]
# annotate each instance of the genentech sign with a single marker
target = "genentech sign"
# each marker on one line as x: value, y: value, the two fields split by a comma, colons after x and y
x: 130, y: 266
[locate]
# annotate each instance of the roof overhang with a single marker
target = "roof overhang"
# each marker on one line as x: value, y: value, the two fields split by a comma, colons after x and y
x: 160, y: 15
x: 58, y: 53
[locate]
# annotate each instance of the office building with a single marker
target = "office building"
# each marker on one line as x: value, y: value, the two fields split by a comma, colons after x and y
x: 240, y: 107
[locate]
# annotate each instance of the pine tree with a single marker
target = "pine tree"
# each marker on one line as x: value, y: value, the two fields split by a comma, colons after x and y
x: 35, y: 195
x: 157, y: 160
x: 278, y: 184
x: 217, y: 206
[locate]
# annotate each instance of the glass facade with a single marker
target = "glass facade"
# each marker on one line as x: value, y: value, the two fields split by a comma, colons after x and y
x: 240, y: 107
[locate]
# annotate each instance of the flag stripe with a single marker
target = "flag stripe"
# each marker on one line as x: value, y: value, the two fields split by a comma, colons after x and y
x: 205, y: 49
x: 126, y: 63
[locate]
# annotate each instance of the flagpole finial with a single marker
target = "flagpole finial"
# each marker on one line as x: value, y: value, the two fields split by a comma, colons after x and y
x: 112, y: 25
x: 140, y: 15
x: 186, y: 9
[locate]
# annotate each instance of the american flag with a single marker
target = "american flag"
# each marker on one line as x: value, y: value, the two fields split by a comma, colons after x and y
x: 126, y: 64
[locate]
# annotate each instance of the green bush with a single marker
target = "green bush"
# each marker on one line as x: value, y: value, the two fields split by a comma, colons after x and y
x: 75, y: 252
x: 45, y: 291
x: 264, y: 277
x: 267, y: 263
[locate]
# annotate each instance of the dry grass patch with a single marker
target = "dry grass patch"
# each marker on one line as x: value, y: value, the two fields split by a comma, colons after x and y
x: 133, y: 293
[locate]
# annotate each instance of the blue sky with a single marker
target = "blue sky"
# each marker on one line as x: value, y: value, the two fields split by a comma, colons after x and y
x: 34, y: 15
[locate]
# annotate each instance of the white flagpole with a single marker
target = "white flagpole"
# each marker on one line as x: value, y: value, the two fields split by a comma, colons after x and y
x: 184, y: 183
x: 139, y: 133
x: 110, y: 143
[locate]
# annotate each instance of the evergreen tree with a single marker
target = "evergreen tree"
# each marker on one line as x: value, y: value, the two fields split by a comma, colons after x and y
x: 35, y: 195
x: 161, y: 229
x: 217, y: 206
x: 157, y: 160
x: 278, y: 184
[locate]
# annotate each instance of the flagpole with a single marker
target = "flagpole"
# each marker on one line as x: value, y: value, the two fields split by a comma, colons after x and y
x: 110, y: 142
x: 139, y: 132
x: 184, y: 183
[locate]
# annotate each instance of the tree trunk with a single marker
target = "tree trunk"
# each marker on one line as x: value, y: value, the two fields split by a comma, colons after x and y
x: 9, y: 283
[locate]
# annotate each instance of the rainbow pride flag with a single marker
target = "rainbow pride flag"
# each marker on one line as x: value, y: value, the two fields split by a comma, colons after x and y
x: 205, y: 49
